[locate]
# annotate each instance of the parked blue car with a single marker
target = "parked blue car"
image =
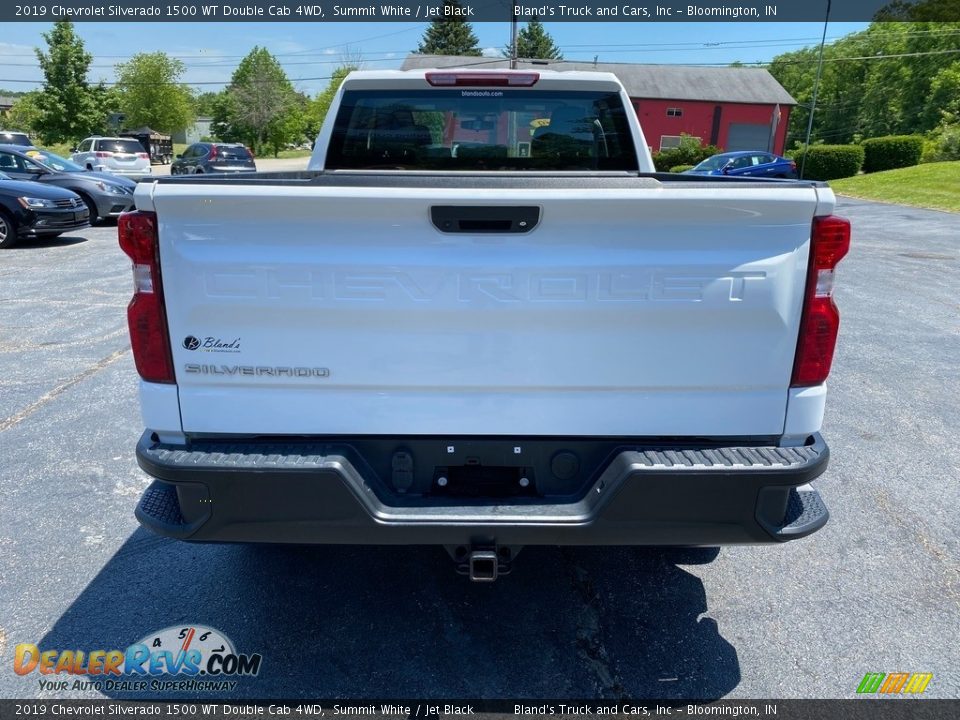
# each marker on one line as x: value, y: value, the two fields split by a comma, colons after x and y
x: 749, y: 163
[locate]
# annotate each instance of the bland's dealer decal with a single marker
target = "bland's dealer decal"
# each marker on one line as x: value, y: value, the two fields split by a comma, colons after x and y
x: 150, y: 664
x: 211, y: 344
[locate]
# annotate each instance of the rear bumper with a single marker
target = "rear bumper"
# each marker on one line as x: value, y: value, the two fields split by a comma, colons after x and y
x: 319, y: 492
x: 125, y: 172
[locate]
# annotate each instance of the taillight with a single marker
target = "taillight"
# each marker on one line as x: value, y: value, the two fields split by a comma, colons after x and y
x: 103, y: 153
x: 213, y: 152
x: 793, y: 166
x: 149, y: 336
x: 143, y: 156
x: 820, y: 322
x: 477, y: 79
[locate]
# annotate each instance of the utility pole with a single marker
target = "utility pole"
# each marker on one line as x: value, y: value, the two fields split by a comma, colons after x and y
x: 513, y: 40
x: 816, y: 87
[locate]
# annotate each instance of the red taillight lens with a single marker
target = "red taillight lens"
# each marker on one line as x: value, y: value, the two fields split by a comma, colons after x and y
x: 149, y: 336
x: 213, y: 152
x: 793, y: 166
x: 143, y: 156
x: 103, y: 153
x: 476, y: 79
x: 820, y: 322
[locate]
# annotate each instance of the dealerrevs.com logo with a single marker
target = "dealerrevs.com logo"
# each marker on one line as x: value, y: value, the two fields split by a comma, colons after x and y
x: 175, y: 659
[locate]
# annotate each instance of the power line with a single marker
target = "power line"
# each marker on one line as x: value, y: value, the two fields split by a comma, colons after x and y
x: 216, y: 60
x: 863, y: 36
x: 307, y: 51
x: 185, y: 84
x: 559, y: 62
x: 394, y: 53
x: 201, y: 66
x: 873, y: 57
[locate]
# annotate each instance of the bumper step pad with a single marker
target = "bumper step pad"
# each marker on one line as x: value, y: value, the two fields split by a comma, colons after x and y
x: 160, y: 504
x: 160, y: 509
x: 806, y: 513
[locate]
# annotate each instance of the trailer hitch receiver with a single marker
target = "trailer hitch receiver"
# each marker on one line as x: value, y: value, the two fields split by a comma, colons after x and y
x: 484, y: 565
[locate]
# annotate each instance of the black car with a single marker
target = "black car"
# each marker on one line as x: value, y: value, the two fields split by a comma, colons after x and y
x: 29, y: 209
x: 105, y: 195
x: 206, y: 157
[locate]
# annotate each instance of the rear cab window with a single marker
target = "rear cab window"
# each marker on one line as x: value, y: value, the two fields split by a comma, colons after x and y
x: 476, y: 129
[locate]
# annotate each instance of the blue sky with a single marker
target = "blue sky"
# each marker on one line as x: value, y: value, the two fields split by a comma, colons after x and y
x: 309, y: 51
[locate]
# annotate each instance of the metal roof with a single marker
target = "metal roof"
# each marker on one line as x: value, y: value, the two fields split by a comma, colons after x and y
x: 661, y: 82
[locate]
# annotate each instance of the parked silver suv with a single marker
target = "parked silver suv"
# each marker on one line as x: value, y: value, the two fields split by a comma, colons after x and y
x: 120, y: 156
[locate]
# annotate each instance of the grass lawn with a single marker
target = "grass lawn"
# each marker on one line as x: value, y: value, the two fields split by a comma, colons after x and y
x: 292, y: 154
x: 61, y: 149
x: 932, y: 185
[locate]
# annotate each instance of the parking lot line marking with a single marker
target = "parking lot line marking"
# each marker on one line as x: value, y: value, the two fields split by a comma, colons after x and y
x: 60, y: 389
x: 24, y: 346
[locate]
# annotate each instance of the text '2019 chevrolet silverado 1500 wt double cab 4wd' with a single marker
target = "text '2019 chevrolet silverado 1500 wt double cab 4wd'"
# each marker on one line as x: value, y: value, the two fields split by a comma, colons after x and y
x: 482, y: 320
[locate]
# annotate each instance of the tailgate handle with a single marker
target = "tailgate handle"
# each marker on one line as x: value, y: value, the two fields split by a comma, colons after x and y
x: 485, y: 219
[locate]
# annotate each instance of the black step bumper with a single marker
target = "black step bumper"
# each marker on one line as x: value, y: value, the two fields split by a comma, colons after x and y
x: 306, y: 492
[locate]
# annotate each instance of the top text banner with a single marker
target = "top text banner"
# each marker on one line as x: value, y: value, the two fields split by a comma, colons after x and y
x: 480, y: 11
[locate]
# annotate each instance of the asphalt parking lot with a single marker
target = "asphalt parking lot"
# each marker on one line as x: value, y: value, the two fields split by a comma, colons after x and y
x: 878, y: 590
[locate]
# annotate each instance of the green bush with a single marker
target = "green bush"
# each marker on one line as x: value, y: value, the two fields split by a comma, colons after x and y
x: 829, y: 162
x: 891, y: 152
x: 680, y: 168
x: 689, y: 153
x: 944, y: 145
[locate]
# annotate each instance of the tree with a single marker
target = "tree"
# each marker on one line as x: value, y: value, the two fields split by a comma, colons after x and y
x: 106, y: 100
x: 919, y: 10
x: 205, y: 102
x: 25, y: 113
x: 221, y: 126
x: 535, y: 42
x: 66, y: 106
x: 450, y: 35
x: 892, y: 78
x: 944, y: 98
x: 317, y: 109
x: 258, y: 103
x: 151, y: 93
x: 289, y: 127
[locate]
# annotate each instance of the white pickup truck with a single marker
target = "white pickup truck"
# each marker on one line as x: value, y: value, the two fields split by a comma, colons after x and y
x: 481, y: 320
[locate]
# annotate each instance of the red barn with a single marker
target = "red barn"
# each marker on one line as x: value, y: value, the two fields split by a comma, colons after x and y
x: 736, y: 108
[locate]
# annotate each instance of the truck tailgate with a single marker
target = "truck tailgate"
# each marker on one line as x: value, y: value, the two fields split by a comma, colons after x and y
x: 655, y: 309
